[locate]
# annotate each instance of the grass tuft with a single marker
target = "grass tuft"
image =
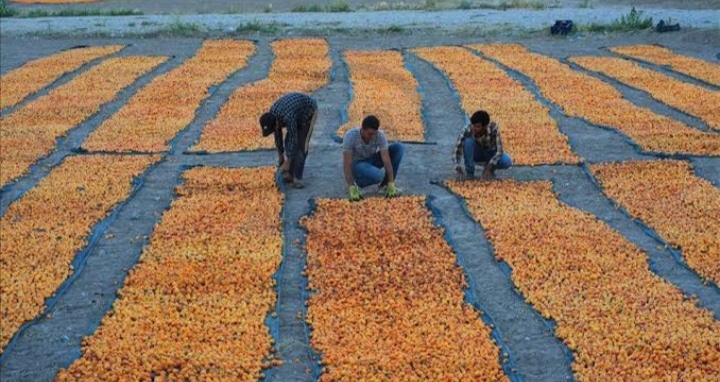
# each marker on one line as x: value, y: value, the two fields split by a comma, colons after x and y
x: 307, y: 8
x: 78, y: 13
x: 334, y: 6
x: 182, y: 29
x: 6, y: 11
x: 339, y: 6
x: 630, y: 22
x: 259, y: 27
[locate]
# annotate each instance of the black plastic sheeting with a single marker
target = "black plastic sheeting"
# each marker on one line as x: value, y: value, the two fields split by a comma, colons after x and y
x: 508, y: 362
x: 78, y: 264
x: 535, y: 91
x: 344, y: 110
x: 471, y: 298
x: 677, y: 254
x: 507, y: 270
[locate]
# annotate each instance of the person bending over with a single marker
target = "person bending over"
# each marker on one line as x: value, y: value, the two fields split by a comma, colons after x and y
x: 297, y: 113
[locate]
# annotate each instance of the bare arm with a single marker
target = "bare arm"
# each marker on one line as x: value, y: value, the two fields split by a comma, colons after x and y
x: 492, y: 163
x: 458, y: 153
x: 291, y: 142
x: 279, y: 145
x: 347, y: 167
x: 385, y: 156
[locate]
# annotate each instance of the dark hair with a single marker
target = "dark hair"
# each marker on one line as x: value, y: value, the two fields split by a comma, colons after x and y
x: 267, y: 124
x: 371, y: 122
x: 482, y: 117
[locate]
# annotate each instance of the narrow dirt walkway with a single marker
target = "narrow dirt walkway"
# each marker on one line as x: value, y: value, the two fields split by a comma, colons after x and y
x: 53, y: 341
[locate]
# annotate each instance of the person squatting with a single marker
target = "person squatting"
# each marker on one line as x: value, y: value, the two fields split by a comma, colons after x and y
x: 368, y: 158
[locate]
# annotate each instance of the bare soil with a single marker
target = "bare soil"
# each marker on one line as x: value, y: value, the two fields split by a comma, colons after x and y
x: 53, y: 341
x: 259, y: 6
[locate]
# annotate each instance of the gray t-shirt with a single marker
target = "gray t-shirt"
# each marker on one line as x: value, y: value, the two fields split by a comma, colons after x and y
x: 352, y: 141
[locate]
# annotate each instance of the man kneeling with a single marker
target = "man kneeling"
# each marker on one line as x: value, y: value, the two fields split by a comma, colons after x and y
x: 366, y: 154
x: 480, y: 142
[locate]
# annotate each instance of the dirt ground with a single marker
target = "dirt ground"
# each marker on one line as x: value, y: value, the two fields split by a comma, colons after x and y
x: 257, y: 6
x: 53, y: 341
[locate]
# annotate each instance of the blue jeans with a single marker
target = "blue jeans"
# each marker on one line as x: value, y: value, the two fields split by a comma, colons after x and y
x: 472, y: 152
x: 371, y: 170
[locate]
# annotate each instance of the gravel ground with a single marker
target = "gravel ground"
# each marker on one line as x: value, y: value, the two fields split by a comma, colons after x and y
x: 453, y: 21
x: 262, y: 6
x: 53, y: 341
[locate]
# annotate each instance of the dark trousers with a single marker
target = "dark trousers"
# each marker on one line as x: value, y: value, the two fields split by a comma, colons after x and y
x: 297, y: 165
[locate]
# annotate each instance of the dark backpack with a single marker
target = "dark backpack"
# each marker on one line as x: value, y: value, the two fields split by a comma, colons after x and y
x: 662, y: 26
x: 562, y: 27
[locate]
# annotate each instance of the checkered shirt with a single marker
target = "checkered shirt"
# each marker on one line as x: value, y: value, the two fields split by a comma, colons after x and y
x: 490, y: 141
x: 292, y: 110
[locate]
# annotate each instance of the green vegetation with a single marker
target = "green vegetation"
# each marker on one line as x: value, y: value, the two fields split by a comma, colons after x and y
x: 631, y: 21
x: 513, y: 4
x: 436, y: 5
x: 634, y: 20
x: 258, y: 26
x: 395, y: 29
x: 6, y: 11
x: 77, y: 13
x: 532, y: 4
x: 334, y: 6
x: 182, y: 29
x: 430, y: 5
x: 339, y: 6
x: 465, y: 4
x: 308, y: 8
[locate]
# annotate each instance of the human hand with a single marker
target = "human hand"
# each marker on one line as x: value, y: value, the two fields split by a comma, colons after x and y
x: 287, y: 177
x: 285, y: 165
x: 391, y: 190
x: 354, y: 193
x: 488, y: 174
x: 460, y: 172
x: 281, y: 159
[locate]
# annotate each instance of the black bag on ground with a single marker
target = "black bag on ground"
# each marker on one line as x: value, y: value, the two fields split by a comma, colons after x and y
x: 662, y: 26
x: 562, y: 27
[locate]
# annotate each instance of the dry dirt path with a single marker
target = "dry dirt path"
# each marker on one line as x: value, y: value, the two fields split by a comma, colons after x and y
x: 53, y: 341
x: 264, y: 6
x: 218, y: 17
